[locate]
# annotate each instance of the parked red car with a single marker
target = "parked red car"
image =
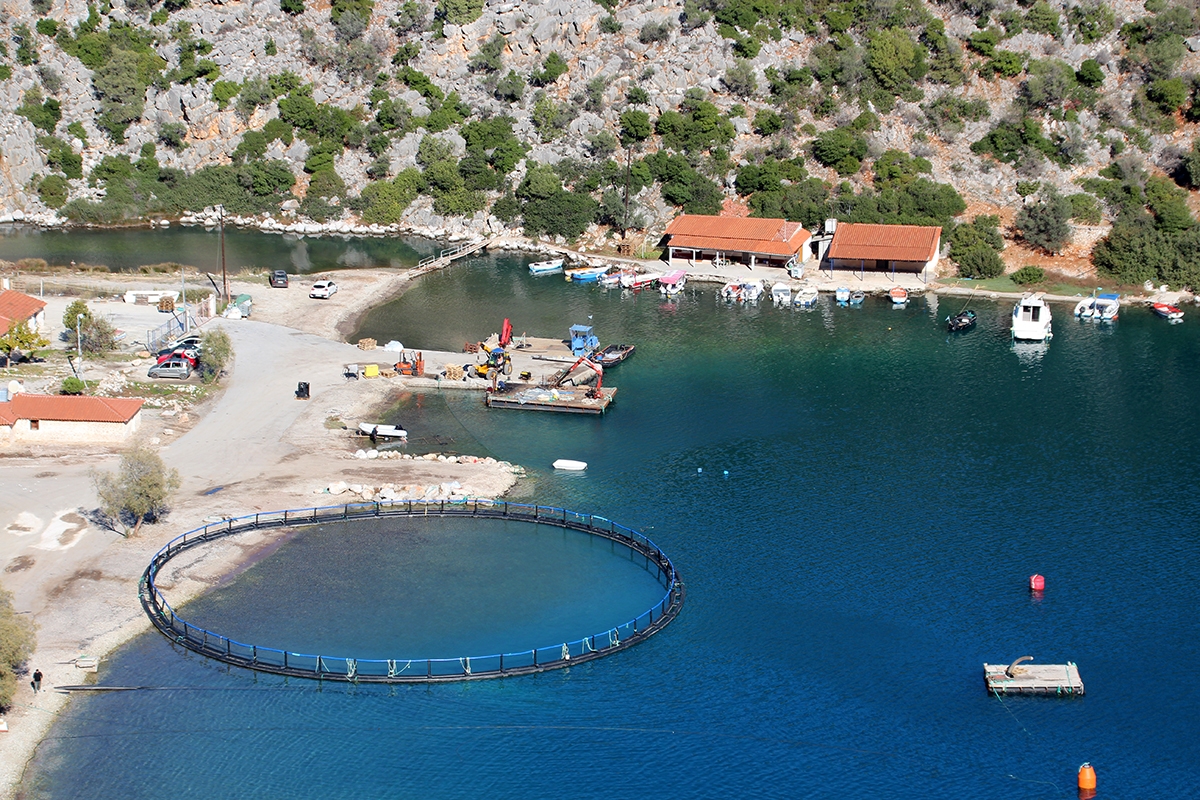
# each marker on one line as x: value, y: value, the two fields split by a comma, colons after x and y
x: 187, y: 354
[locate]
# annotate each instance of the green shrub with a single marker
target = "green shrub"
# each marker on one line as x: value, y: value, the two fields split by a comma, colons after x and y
x: 608, y: 24
x: 44, y: 115
x: 1041, y: 18
x: 553, y: 68
x: 1084, y: 208
x: 459, y: 12
x: 1045, y: 224
x: 1028, y: 275
x: 1090, y: 74
x: 5, y: 72
x: 841, y: 149
x: 26, y: 51
x: 53, y: 191
x: 653, y: 32
x: 979, y: 261
x: 47, y: 27
x: 767, y: 122
x: 224, y: 91
x: 292, y: 7
x: 72, y: 385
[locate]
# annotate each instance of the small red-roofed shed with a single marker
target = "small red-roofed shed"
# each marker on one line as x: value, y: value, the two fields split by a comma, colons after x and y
x: 68, y: 419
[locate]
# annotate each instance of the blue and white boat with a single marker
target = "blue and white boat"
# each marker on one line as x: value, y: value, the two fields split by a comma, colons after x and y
x: 806, y: 297
x: 585, y: 274
x: 857, y: 297
x: 546, y: 267
x: 842, y: 295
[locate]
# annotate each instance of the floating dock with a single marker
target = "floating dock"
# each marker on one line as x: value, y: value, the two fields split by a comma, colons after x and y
x: 1061, y: 680
x: 576, y: 400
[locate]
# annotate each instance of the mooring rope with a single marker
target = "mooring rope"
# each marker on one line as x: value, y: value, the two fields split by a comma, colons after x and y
x: 465, y: 663
x: 1010, y: 713
x: 566, y: 652
x: 351, y: 668
x: 614, y: 638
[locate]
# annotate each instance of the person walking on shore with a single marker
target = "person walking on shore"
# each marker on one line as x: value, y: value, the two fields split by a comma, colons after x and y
x: 36, y: 683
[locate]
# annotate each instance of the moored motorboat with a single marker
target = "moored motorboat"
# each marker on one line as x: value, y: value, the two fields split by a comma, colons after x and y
x: 1085, y: 308
x: 732, y: 291
x: 899, y: 295
x: 613, y: 354
x: 857, y: 297
x: 638, y: 280
x: 806, y: 297
x: 611, y: 278
x: 1031, y: 318
x: 751, y: 291
x: 585, y: 274
x: 380, y: 431
x: 546, y: 267
x: 962, y: 321
x: 570, y: 465
x: 673, y: 282
x: 1167, y: 311
x: 781, y: 294
x: 842, y: 295
x: 1107, y: 308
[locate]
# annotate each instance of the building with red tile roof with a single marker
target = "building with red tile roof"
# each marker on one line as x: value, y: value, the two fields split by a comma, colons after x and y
x: 69, y: 419
x: 19, y: 307
x: 753, y: 242
x: 860, y: 246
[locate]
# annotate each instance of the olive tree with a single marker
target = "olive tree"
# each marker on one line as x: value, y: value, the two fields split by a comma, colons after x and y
x: 138, y: 491
x: 17, y: 640
x: 215, y: 352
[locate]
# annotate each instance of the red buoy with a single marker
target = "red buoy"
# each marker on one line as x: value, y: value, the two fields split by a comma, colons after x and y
x: 1087, y: 781
x: 1037, y: 583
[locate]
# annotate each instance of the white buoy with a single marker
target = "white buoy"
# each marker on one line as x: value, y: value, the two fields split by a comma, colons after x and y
x: 568, y: 464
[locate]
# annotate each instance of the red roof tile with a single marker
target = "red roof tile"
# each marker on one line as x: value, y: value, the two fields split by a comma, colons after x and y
x: 855, y: 240
x: 16, y: 307
x: 734, y: 234
x: 68, y: 408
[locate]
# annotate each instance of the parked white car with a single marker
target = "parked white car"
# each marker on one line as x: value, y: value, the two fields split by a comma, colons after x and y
x: 323, y: 290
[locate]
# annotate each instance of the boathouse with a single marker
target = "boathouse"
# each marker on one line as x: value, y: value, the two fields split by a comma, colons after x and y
x: 859, y: 247
x: 19, y: 307
x: 691, y: 239
x: 67, y: 419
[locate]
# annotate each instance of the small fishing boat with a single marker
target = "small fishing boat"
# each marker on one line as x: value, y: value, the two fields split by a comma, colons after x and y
x: 1101, y: 308
x: 899, y: 295
x: 570, y: 465
x: 781, y: 294
x: 613, y: 354
x: 638, y: 280
x: 842, y: 295
x: 612, y: 278
x: 546, y: 267
x: 857, y: 297
x: 806, y: 297
x: 585, y: 274
x: 1031, y: 318
x: 962, y: 321
x: 673, y: 283
x: 1168, y: 312
x: 382, y: 431
x: 751, y: 291
x: 732, y: 291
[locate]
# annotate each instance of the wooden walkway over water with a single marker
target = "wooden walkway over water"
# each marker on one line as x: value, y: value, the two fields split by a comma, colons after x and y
x: 444, y: 258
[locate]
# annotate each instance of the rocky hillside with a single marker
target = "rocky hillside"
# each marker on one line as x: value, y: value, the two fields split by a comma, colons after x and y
x: 1045, y: 122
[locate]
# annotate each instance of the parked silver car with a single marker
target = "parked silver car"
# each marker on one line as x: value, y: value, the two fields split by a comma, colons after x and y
x: 171, y: 368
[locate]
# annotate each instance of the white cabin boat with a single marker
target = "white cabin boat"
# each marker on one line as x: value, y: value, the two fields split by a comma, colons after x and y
x: 1031, y: 318
x: 781, y: 294
x: 570, y: 465
x: 546, y: 267
x: 751, y: 291
x: 673, y: 283
x: 842, y: 295
x: 806, y: 297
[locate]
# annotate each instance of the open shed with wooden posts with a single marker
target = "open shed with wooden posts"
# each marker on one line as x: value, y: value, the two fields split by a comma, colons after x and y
x: 862, y: 247
x: 68, y: 419
x: 692, y: 239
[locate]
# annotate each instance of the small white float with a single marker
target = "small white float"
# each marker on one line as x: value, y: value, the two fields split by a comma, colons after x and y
x: 568, y: 464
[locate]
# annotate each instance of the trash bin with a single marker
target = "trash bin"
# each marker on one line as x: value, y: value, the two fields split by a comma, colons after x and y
x: 302, y: 390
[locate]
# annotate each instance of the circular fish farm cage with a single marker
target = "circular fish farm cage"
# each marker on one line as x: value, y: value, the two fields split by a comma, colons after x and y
x: 555, y: 655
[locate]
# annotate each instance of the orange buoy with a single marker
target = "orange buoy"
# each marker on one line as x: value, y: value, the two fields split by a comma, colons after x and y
x: 1087, y: 777
x: 1037, y: 583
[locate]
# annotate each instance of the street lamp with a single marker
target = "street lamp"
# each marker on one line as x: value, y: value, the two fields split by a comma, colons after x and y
x: 79, y: 343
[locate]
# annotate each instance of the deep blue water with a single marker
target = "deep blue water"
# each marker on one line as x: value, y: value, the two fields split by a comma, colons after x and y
x: 889, y: 491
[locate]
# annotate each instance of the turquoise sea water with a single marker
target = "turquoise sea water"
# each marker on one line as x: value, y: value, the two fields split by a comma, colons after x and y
x: 127, y: 249
x: 890, y: 489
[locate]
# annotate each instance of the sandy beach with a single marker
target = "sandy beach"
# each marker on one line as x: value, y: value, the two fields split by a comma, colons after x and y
x: 263, y: 448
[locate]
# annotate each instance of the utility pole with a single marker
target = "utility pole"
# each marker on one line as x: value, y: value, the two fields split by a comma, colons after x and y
x: 183, y: 296
x: 221, y: 233
x: 79, y: 344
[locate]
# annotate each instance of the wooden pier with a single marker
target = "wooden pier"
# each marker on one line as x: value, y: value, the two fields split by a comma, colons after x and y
x: 1061, y: 680
x: 563, y: 400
